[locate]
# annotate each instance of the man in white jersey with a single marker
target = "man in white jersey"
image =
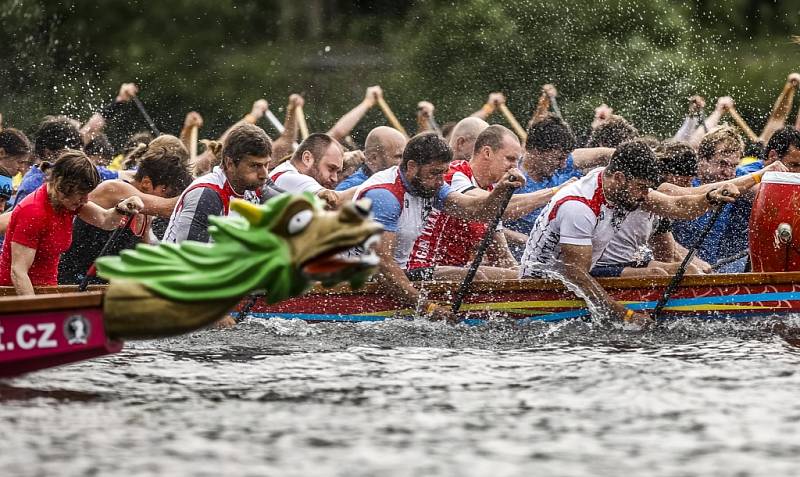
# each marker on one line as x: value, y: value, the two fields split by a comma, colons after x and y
x: 314, y: 167
x: 245, y: 155
x: 577, y: 225
x: 402, y: 198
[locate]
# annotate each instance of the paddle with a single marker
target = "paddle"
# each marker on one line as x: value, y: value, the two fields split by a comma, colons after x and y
x: 146, y: 116
x: 485, y: 241
x: 742, y: 124
x: 275, y: 122
x: 387, y: 111
x: 515, y: 125
x: 301, y: 122
x: 92, y: 271
x: 730, y: 259
x: 676, y: 280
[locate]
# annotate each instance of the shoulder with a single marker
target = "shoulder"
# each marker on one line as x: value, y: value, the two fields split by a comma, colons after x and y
x: 386, y: 208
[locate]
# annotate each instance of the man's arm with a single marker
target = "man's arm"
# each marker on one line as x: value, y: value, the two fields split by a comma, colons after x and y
x: 97, y: 122
x: 109, y: 193
x: 520, y: 205
x: 687, y: 207
x: 193, y: 119
x: 543, y: 105
x: 495, y: 100
x: 21, y: 261
x: 724, y: 104
x: 284, y: 145
x: 781, y: 109
x: 109, y: 219
x: 576, y: 262
x: 498, y: 248
x: 587, y: 158
x: 486, y: 208
x: 347, y: 122
x: 743, y: 183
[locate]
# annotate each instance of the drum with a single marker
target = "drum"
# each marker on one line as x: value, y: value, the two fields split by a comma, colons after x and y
x: 775, y: 224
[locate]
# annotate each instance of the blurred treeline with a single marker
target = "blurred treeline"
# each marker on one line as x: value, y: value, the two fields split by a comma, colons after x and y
x: 642, y: 57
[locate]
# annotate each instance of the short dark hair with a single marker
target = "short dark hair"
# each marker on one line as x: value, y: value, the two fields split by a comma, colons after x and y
x: 636, y: 160
x: 57, y: 133
x: 14, y: 142
x: 100, y: 146
x: 677, y: 158
x: 549, y: 133
x: 316, y: 144
x: 782, y: 140
x: 164, y: 167
x: 426, y: 148
x: 492, y: 137
x: 246, y: 140
x: 74, y: 173
x: 612, y: 133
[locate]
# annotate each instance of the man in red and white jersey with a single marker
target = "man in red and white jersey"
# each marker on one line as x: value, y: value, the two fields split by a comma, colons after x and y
x: 582, y: 218
x: 447, y: 243
x: 314, y: 167
x: 245, y: 155
x: 402, y: 198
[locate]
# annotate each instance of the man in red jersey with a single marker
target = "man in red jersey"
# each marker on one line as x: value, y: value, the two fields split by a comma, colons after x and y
x: 447, y: 243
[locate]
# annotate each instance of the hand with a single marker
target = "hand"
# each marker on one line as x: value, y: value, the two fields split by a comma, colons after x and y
x: 330, y: 197
x: 224, y: 323
x: 639, y: 320
x: 776, y: 166
x: 425, y: 108
x: 353, y: 159
x: 724, y: 103
x: 372, y: 95
x: 295, y: 101
x: 131, y: 205
x: 193, y: 119
x: 126, y: 92
x: 794, y: 78
x: 725, y: 194
x: 437, y: 312
x: 696, y: 104
x: 512, y: 179
x: 496, y: 99
x: 260, y: 108
x: 549, y: 90
x: 702, y: 265
x: 601, y: 114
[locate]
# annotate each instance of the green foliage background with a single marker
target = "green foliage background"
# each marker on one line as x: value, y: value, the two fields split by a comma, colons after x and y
x: 644, y: 58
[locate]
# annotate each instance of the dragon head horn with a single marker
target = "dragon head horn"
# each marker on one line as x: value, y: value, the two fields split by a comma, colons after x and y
x: 253, y: 213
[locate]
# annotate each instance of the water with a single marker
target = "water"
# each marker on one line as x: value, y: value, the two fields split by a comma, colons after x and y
x: 414, y: 399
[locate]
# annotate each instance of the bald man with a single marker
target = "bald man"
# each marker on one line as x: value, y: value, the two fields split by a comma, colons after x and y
x: 382, y: 150
x: 462, y: 139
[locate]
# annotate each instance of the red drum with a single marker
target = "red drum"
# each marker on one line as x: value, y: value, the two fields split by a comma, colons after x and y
x: 775, y: 224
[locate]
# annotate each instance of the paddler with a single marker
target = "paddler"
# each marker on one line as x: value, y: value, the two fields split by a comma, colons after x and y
x: 40, y: 228
x: 447, y: 243
x: 383, y: 149
x: 577, y: 225
x: 402, y: 198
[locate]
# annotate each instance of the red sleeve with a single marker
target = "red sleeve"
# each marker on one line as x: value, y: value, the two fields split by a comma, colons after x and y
x: 28, y: 228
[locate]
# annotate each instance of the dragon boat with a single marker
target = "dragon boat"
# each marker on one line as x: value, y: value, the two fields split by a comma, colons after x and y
x: 278, y: 249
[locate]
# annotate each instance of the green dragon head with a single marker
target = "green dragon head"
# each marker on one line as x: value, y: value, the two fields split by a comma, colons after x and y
x: 280, y: 248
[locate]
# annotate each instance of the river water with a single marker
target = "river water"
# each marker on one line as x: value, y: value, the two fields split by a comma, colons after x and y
x: 401, y: 398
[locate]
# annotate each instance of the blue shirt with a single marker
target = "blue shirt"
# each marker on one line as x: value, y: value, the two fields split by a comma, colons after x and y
x: 754, y: 166
x: 386, y: 209
x: 727, y: 237
x: 525, y: 224
x: 355, y: 179
x: 32, y: 180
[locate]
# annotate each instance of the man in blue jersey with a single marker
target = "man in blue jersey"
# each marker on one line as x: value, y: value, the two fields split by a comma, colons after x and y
x: 550, y: 160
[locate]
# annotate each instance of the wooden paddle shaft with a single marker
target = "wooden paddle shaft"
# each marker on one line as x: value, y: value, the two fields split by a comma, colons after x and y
x: 515, y: 125
x: 387, y: 111
x: 193, y: 143
x: 742, y: 124
x: 301, y: 122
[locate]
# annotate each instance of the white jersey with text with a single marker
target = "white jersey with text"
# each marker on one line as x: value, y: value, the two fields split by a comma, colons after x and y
x: 630, y: 242
x: 578, y: 214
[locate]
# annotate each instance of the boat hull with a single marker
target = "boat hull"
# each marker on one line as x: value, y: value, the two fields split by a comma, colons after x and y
x: 704, y: 297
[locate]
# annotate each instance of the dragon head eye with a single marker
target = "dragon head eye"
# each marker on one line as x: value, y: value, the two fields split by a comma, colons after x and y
x: 299, y: 221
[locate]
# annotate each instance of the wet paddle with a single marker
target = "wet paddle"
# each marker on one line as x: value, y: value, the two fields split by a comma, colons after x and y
x: 730, y: 259
x: 515, y: 125
x: 146, y: 116
x: 387, y: 111
x: 737, y: 118
x: 114, y: 235
x: 676, y: 280
x: 485, y: 241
